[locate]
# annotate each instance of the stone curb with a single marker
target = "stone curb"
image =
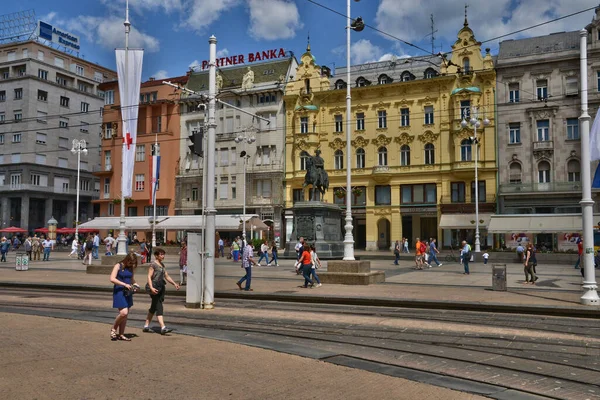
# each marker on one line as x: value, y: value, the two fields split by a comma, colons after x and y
x: 558, y: 311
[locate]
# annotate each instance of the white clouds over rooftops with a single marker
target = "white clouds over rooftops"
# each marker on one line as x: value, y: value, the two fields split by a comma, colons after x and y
x: 273, y: 19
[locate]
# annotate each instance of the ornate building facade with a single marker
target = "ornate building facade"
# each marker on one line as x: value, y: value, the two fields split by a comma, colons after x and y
x: 412, y: 161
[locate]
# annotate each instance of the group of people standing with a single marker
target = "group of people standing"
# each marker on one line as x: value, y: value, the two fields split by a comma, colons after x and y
x: 34, y: 246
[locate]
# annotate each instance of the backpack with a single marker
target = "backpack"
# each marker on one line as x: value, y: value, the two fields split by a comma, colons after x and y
x: 422, y: 248
x: 89, y: 245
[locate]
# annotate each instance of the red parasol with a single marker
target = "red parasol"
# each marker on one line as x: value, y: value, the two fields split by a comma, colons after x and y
x: 13, y: 229
x: 41, y: 230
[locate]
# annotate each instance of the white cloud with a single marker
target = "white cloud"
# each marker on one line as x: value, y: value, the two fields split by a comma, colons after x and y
x: 405, y: 21
x: 141, y: 6
x: 200, y: 14
x: 194, y: 64
x: 222, y: 53
x: 162, y: 74
x: 273, y: 19
x: 364, y: 51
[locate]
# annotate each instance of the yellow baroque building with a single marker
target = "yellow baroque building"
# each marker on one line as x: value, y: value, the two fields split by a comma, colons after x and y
x: 413, y: 163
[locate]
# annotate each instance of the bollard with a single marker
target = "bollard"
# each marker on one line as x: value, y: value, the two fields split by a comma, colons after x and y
x: 499, y: 277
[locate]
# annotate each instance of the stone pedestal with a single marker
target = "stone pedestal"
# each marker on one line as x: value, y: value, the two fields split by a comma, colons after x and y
x: 319, y: 224
x: 351, y: 273
x: 108, y: 262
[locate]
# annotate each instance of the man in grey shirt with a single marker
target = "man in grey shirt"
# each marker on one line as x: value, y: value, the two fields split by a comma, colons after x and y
x: 247, y: 263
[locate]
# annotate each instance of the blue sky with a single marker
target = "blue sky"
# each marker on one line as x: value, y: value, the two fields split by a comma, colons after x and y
x: 175, y: 32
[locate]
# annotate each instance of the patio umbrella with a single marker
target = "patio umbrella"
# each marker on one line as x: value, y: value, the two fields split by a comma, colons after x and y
x: 256, y: 223
x: 13, y: 229
x: 41, y: 230
x: 64, y: 231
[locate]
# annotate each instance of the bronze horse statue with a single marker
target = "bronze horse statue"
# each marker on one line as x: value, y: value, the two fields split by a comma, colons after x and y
x: 315, y: 174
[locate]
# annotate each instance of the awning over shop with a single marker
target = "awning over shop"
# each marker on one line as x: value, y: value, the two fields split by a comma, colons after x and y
x: 536, y: 223
x: 170, y: 223
x: 464, y: 221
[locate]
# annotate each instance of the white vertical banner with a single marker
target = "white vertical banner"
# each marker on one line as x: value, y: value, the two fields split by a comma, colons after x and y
x: 130, y: 79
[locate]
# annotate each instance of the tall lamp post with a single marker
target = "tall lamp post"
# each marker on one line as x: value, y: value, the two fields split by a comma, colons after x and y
x: 475, y: 122
x: 243, y: 137
x: 79, y: 146
x: 357, y: 25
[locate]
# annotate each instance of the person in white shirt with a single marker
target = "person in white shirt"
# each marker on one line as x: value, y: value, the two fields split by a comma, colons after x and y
x: 221, y: 247
x: 74, y: 247
x: 109, y: 241
x: 247, y: 263
x: 316, y: 263
x: 47, y: 245
x: 95, y: 246
x: 485, y: 257
x: 264, y: 253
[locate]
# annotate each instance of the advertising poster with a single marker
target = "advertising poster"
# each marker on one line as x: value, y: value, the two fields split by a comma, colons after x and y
x: 568, y: 241
x: 513, y: 240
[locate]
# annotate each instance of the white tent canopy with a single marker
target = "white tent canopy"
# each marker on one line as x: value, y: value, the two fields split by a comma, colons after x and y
x: 537, y: 223
x: 170, y: 223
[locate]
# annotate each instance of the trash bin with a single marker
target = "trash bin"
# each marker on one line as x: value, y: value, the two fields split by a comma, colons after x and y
x: 22, y: 262
x: 499, y: 277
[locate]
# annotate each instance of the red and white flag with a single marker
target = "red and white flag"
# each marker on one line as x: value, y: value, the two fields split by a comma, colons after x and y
x: 155, y: 174
x: 130, y: 79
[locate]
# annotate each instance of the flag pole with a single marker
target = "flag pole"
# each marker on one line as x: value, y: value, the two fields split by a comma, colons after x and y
x: 154, y: 185
x: 590, y: 295
x: 122, y: 240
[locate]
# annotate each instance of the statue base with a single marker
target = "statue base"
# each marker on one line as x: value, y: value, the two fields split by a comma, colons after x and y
x: 351, y: 273
x: 319, y: 224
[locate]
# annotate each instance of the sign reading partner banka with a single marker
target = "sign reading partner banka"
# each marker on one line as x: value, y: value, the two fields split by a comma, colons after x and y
x: 249, y: 58
x: 55, y: 35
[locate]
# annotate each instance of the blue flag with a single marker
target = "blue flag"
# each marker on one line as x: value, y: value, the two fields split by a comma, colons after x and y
x: 596, y: 181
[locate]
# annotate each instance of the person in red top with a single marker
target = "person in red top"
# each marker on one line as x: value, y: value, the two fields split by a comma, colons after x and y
x: 578, y: 264
x: 420, y: 251
x: 306, y: 261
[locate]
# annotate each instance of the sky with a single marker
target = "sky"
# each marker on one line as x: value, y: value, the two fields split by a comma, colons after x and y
x: 174, y: 33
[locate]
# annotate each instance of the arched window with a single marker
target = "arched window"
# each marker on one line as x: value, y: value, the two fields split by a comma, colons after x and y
x: 429, y: 154
x: 383, y: 79
x: 574, y: 171
x: 465, y: 150
x: 466, y: 65
x: 340, y: 84
x: 361, y: 82
x: 406, y: 76
x: 405, y: 155
x: 360, y: 158
x: 514, y: 172
x: 338, y: 159
x: 382, y: 156
x: 430, y: 73
x: 544, y: 172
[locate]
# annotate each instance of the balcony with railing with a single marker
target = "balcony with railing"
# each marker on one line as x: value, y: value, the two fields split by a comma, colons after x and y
x: 24, y: 187
x: 543, y: 145
x: 549, y: 187
x: 464, y: 204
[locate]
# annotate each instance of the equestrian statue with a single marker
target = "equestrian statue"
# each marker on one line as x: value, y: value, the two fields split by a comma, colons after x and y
x: 315, y: 175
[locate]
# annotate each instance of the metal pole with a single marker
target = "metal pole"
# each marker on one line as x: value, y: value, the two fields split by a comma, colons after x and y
x: 78, y: 183
x: 348, y: 238
x: 155, y: 200
x: 590, y: 295
x: 122, y: 240
x: 244, y: 207
x: 209, y: 281
x: 477, y: 243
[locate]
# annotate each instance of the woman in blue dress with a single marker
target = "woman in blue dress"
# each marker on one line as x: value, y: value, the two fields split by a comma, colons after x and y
x: 122, y: 278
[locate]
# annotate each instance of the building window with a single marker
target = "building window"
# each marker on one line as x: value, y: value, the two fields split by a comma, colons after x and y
x: 360, y: 158
x: 544, y: 172
x: 63, y: 122
x: 382, y: 156
x: 513, y: 93
x: 63, y: 162
x: 571, y: 86
x: 108, y: 130
x: 404, y: 117
x: 405, y: 155
x: 132, y: 211
x: 155, y: 149
x: 36, y: 180
x: 339, y: 124
x: 383, y: 79
x: 574, y: 171
x: 40, y: 138
x: 543, y: 130
x: 360, y: 82
x: 481, y: 193
x: 418, y: 194
x: 514, y: 172
x: 41, y: 117
x: 223, y: 188
x: 85, y: 107
x: 43, y: 74
x: 111, y: 209
x: 109, y: 97
x: 42, y: 95
x: 139, y: 182
x: 18, y: 94
x: 514, y: 133
x: 340, y: 84
x: 2, y: 95
x: 429, y: 154
x: 40, y: 159
x: 16, y: 138
x: 465, y: 150
x: 64, y: 101
x: 18, y: 115
x: 430, y: 73
x: 572, y: 128
x: 159, y: 124
x: 83, y: 87
x: 140, y: 153
x: 406, y: 76
x: 298, y: 195
x: 383, y: 195
x: 338, y: 159
x: 465, y: 110
x: 303, y: 124
x: 2, y: 117
x: 107, y: 160
x: 63, y: 143
x: 457, y: 190
x: 303, y: 160
x: 15, y: 158
x: 15, y: 180
x: 106, y: 185
x: 263, y: 188
x: 79, y: 70
x: 1, y: 138
x: 542, y: 89
x: 382, y: 119
x: 84, y: 127
x: 428, y: 115
x: 194, y: 194
x: 360, y: 121
x: 466, y: 65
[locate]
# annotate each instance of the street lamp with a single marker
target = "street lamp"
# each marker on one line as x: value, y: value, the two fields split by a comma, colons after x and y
x: 79, y: 146
x: 357, y: 25
x: 475, y: 122
x: 243, y: 137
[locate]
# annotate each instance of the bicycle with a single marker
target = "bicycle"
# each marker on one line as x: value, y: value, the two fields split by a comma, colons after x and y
x: 452, y: 257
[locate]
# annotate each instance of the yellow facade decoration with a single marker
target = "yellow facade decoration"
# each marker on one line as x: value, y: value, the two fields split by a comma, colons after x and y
x: 402, y: 186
